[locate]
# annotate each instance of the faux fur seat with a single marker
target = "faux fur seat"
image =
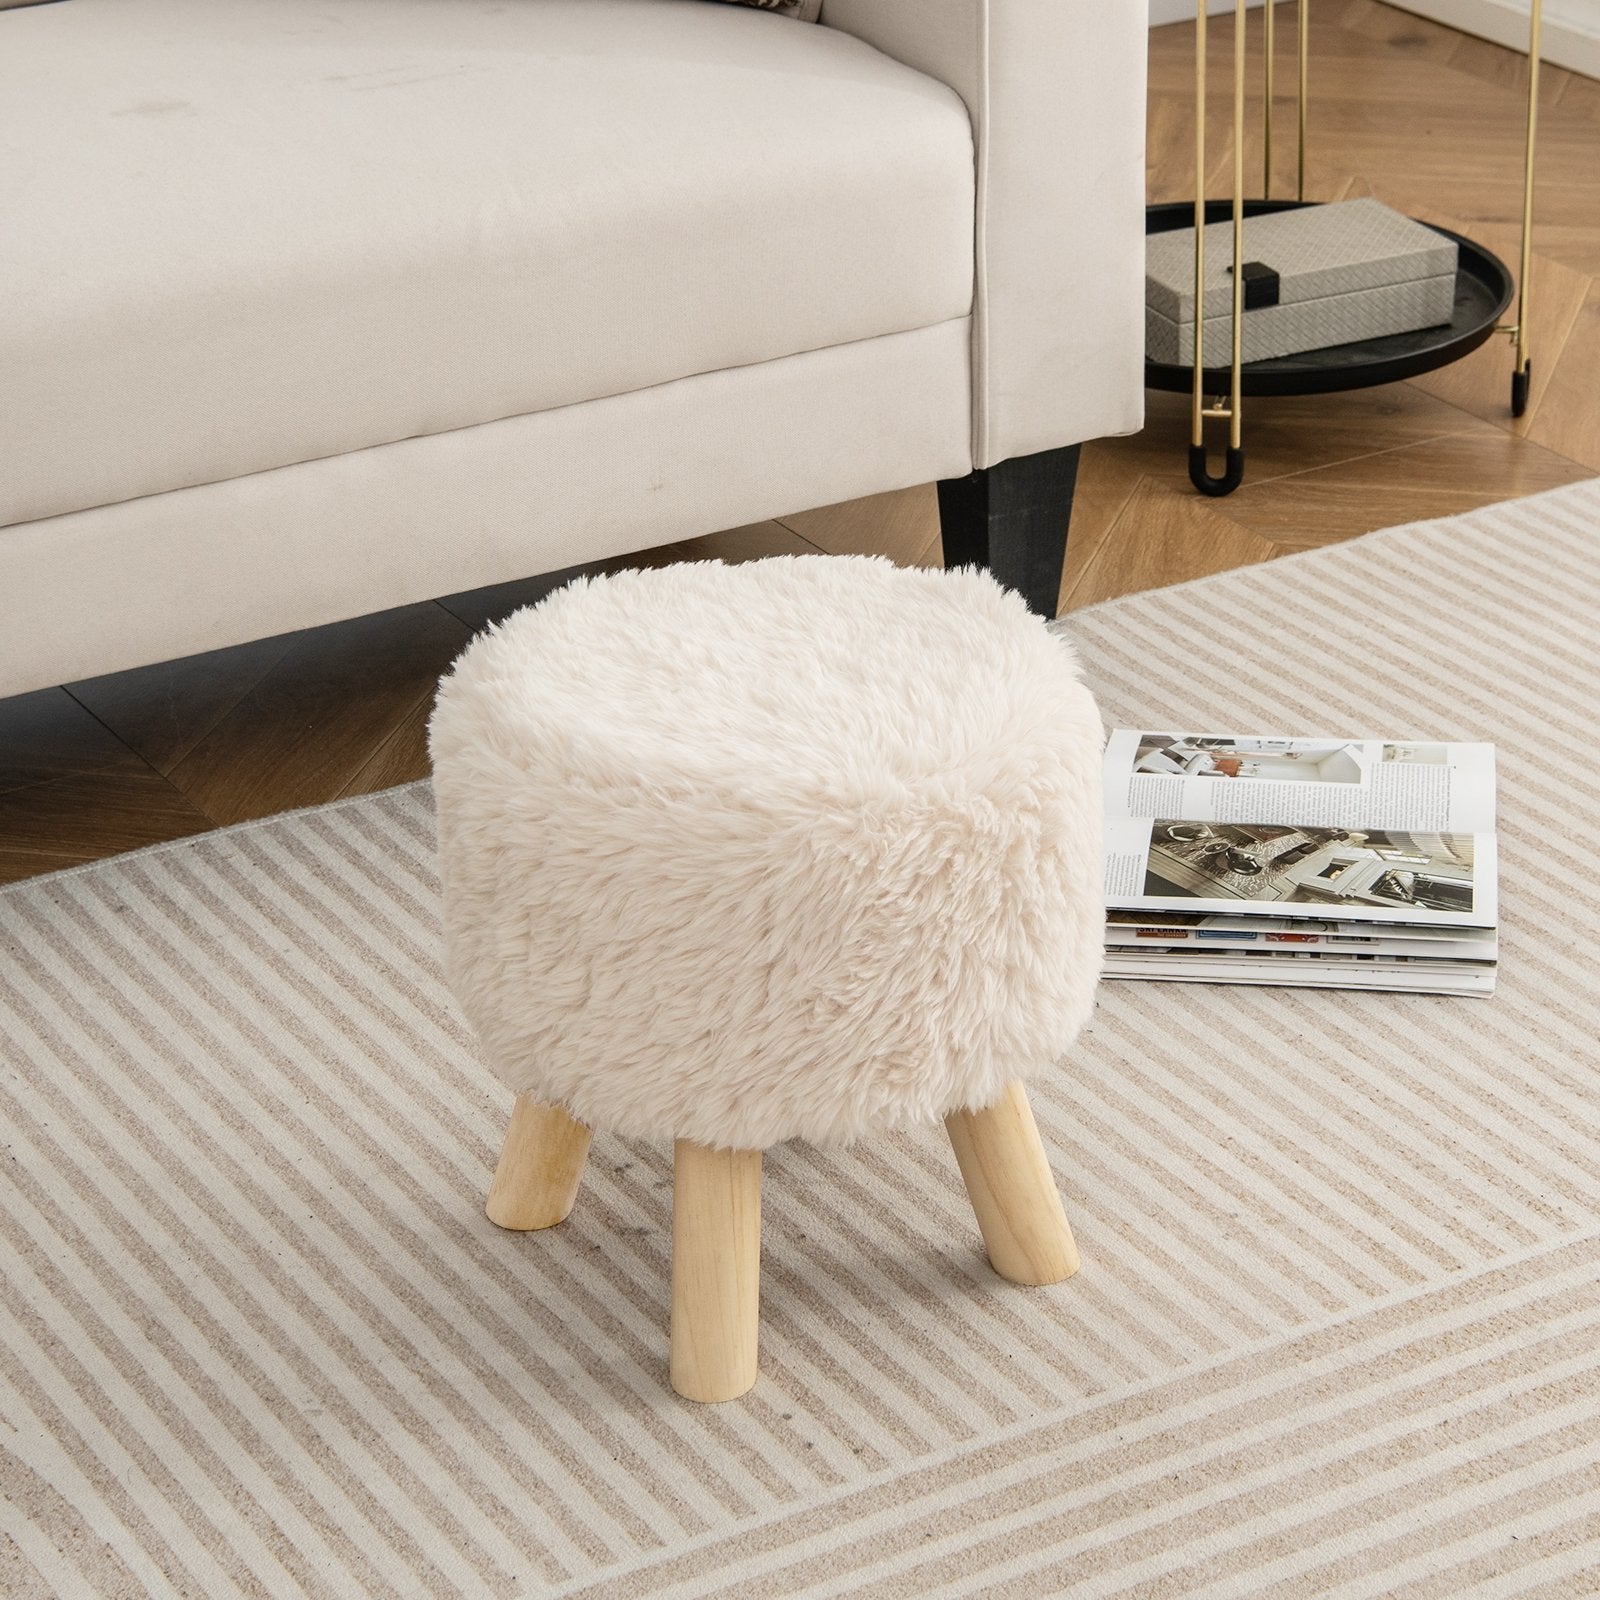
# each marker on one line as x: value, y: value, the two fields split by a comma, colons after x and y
x: 803, y: 848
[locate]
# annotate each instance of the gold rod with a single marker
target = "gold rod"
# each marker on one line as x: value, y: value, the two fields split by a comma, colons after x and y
x: 1527, y: 188
x: 1197, y: 427
x: 1305, y: 59
x: 1234, y: 430
x: 1268, y: 20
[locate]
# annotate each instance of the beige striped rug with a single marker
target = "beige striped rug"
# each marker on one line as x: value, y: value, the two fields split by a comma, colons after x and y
x: 1337, y: 1332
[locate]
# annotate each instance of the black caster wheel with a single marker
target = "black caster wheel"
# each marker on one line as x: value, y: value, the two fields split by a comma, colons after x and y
x: 1519, y: 390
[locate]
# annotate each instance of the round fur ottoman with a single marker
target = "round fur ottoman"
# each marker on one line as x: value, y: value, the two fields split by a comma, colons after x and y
x: 803, y: 848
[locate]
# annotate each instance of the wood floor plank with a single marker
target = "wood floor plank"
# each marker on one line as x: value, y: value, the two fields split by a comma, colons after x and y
x: 902, y: 524
x: 1566, y: 240
x: 1164, y: 536
x: 47, y: 735
x: 480, y: 607
x: 1575, y: 92
x: 163, y: 711
x: 1289, y: 434
x: 89, y: 815
x: 1567, y: 418
x: 313, y: 721
x: 1480, y: 384
x: 1369, y: 22
x: 1169, y: 140
x: 401, y: 758
x: 1109, y: 471
x: 1437, y: 479
x: 1504, y: 69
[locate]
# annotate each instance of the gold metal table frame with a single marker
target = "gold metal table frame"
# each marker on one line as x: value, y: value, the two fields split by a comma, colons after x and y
x: 1229, y: 408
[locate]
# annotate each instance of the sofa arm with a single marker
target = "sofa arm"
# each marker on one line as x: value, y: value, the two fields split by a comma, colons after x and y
x: 1056, y: 93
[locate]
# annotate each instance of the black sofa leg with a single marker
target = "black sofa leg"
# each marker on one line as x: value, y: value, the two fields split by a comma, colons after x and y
x: 1012, y: 518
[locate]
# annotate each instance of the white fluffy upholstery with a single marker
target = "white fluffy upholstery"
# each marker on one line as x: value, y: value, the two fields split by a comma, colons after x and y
x: 800, y: 848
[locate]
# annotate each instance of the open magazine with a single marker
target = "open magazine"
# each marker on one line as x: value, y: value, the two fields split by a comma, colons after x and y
x: 1262, y: 859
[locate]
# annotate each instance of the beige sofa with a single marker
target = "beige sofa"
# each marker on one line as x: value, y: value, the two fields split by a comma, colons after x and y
x: 310, y: 308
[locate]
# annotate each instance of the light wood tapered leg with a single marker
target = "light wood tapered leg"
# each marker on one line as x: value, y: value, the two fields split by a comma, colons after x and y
x: 1013, y: 1191
x: 716, y: 1270
x: 541, y: 1166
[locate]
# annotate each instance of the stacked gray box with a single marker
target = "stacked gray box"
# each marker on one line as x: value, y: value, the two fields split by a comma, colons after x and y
x: 1351, y: 270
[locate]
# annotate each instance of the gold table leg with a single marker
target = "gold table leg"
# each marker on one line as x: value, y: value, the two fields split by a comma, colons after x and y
x: 1304, y: 45
x: 1199, y: 473
x: 1269, y: 52
x: 1519, y: 373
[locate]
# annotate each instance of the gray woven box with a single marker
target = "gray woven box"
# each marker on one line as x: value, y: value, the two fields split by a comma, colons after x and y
x: 1352, y: 270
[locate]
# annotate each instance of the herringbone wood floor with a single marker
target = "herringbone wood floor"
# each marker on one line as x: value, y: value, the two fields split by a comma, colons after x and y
x: 1427, y: 119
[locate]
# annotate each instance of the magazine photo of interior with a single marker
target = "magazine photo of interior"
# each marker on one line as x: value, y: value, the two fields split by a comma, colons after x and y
x: 1274, y: 760
x: 1319, y: 866
x: 1418, y: 755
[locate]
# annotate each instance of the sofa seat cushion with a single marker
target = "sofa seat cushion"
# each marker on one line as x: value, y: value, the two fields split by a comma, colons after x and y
x: 244, y: 235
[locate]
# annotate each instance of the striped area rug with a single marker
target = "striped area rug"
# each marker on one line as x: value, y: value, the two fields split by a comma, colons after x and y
x: 1337, y: 1331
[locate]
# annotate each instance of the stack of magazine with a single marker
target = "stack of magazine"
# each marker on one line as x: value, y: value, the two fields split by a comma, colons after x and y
x: 1345, y: 864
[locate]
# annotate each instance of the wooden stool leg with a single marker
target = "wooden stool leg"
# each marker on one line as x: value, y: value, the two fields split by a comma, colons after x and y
x: 716, y: 1270
x: 541, y: 1166
x: 1013, y: 1191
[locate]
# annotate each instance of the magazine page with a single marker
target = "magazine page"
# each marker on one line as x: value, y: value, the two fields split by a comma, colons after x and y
x: 1137, y: 941
x: 1356, y: 830
x: 1244, y: 960
x: 1423, y: 977
x: 1221, y: 929
x: 1299, y: 869
x: 1328, y: 783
